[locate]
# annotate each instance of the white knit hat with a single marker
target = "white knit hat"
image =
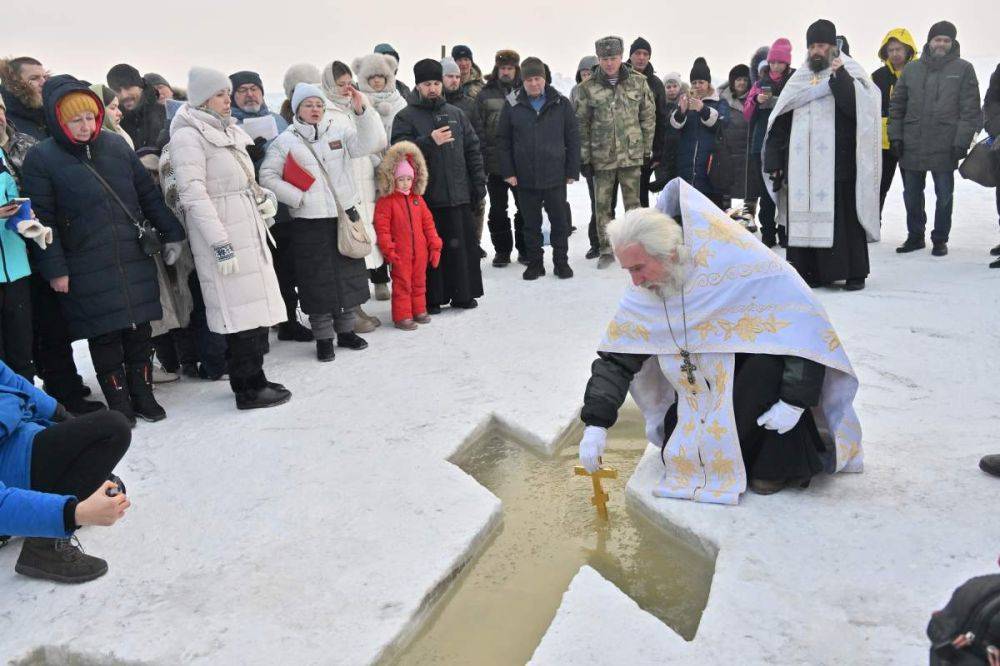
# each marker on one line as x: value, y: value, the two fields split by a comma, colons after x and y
x: 448, y: 66
x: 304, y: 91
x: 204, y: 83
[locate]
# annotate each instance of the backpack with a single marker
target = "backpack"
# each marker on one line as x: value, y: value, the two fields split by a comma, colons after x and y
x: 974, y: 608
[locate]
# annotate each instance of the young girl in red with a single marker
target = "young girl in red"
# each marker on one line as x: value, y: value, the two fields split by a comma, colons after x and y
x: 406, y: 234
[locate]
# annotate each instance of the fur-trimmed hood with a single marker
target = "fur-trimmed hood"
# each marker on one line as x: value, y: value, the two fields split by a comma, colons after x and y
x: 371, y: 65
x: 18, y: 92
x: 386, y: 175
x: 759, y: 56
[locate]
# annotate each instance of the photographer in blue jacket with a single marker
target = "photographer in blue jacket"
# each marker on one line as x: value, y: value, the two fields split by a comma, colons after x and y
x: 56, y: 476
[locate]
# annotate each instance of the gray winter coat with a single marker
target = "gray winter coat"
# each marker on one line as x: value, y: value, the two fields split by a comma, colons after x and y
x: 935, y: 109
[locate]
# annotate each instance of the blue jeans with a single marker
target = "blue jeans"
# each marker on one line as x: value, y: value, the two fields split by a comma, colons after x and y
x: 913, y: 197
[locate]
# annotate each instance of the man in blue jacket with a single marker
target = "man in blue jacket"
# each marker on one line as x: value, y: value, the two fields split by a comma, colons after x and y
x: 54, y: 478
x: 538, y: 146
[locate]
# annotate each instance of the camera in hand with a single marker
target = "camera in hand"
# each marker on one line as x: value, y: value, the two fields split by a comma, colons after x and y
x: 119, y: 490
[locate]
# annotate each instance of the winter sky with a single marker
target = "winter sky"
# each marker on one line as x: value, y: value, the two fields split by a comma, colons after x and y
x: 169, y: 37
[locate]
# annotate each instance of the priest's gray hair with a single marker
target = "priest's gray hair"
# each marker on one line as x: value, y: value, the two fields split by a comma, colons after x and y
x: 660, y: 235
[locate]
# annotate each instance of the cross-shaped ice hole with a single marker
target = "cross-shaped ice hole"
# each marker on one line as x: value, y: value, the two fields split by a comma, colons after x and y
x: 498, y: 609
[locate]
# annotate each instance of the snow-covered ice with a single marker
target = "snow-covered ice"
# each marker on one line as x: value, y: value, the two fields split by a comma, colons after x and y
x: 316, y: 532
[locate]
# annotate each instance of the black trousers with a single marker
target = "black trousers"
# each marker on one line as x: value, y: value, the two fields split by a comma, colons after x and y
x: 889, y: 162
x: 16, y: 328
x: 175, y: 348
x: 767, y: 455
x: 76, y: 456
x: 644, y: 177
x: 211, y: 347
x: 53, y: 348
x: 284, y: 268
x: 766, y: 211
x: 554, y: 201
x: 498, y: 221
x: 245, y: 356
x: 129, y: 347
x: 379, y: 275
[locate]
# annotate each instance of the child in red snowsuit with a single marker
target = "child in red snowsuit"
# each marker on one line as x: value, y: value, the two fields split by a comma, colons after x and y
x: 405, y: 230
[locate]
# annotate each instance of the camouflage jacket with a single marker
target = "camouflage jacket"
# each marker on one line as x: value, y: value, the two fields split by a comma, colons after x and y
x: 617, y: 123
x: 473, y: 85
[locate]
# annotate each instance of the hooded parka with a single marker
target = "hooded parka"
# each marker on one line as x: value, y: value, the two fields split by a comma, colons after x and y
x: 112, y: 283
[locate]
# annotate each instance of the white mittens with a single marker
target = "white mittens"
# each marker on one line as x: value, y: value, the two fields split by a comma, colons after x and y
x: 269, y: 207
x: 656, y: 433
x: 36, y: 231
x: 592, y: 447
x: 225, y: 256
x: 172, y: 252
x: 782, y: 417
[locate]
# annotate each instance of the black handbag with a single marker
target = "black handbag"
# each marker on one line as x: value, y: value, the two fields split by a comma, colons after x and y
x: 981, y: 165
x: 149, y: 238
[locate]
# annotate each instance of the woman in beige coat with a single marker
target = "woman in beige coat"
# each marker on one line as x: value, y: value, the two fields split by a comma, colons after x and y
x: 225, y: 212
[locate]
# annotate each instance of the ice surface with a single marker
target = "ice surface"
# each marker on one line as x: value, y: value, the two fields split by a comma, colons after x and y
x: 314, y: 532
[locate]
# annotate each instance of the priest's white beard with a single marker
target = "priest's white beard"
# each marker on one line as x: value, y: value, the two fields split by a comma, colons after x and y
x: 671, y: 283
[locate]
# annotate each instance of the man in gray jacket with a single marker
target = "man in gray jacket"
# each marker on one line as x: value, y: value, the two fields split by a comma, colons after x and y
x: 934, y: 114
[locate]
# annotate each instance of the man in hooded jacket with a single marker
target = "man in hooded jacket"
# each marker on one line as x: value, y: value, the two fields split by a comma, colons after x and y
x: 898, y: 49
x: 934, y: 114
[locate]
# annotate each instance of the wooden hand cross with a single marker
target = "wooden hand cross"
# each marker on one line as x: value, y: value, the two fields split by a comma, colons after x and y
x: 600, y: 498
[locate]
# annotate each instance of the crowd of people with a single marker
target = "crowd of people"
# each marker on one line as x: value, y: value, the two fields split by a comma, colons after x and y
x: 187, y: 223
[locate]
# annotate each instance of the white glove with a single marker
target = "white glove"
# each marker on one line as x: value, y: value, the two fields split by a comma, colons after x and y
x: 36, y: 231
x: 656, y: 433
x: 225, y: 257
x: 592, y: 447
x: 781, y: 417
x: 172, y: 252
x: 269, y: 207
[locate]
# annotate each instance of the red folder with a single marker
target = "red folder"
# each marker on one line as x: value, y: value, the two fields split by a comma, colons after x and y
x: 294, y: 173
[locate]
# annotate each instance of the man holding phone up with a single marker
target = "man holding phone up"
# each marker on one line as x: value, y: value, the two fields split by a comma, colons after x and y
x: 457, y: 183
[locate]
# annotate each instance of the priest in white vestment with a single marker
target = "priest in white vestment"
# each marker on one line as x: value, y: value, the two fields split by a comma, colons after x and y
x: 738, y: 371
x: 823, y: 158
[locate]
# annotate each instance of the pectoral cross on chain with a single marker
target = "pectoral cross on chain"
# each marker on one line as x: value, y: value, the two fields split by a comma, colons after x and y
x: 687, y: 367
x: 600, y: 498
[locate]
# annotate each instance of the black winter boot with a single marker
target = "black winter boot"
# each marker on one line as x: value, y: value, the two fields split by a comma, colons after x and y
x: 534, y: 271
x: 351, y: 340
x: 78, y: 405
x: 912, y: 244
x: 325, y: 351
x: 140, y: 389
x: 115, y: 388
x: 293, y: 330
x: 563, y: 271
x: 61, y: 560
x: 501, y: 259
x: 940, y: 249
x: 258, y: 393
x: 995, y: 251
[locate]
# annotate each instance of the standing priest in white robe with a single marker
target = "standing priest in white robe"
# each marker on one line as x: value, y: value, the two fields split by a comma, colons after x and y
x: 734, y: 363
x: 823, y: 156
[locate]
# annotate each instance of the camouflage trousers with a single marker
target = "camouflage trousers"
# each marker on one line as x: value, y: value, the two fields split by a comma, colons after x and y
x: 604, y: 190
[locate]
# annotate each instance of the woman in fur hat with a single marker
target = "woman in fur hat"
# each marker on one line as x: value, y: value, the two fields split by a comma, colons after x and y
x: 337, y: 82
x: 377, y: 80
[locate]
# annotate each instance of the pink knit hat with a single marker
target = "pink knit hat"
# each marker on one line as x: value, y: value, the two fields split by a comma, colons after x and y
x: 404, y: 168
x: 781, y: 51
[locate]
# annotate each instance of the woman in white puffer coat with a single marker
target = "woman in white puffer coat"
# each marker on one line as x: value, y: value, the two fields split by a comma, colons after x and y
x: 225, y: 211
x: 338, y: 84
x: 331, y: 286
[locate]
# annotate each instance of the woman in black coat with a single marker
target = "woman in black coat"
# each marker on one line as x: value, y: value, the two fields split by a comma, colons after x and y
x: 107, y: 285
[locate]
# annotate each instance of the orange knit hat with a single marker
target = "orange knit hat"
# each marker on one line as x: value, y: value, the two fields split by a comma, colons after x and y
x: 75, y: 103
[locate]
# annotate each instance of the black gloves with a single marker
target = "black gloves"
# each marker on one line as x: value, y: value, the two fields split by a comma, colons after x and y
x: 352, y: 214
x: 256, y: 150
x: 61, y: 414
x: 586, y: 171
x: 777, y: 178
x: 896, y: 148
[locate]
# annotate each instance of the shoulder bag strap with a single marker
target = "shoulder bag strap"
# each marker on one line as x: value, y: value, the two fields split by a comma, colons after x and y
x: 114, y: 195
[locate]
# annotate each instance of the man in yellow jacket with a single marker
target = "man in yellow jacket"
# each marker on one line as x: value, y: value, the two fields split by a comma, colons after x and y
x: 898, y: 48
